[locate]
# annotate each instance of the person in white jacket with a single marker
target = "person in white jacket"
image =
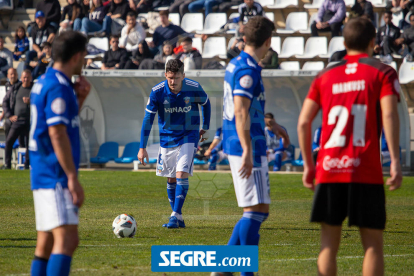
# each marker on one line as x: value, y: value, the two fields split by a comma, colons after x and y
x: 132, y: 33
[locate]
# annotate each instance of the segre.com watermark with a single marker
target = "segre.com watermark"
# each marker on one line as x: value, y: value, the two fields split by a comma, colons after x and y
x: 204, y: 258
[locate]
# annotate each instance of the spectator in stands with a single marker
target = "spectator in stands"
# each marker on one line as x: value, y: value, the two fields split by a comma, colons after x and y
x: 159, y: 60
x: 270, y: 61
x: 12, y: 78
x: 22, y: 43
x: 330, y: 17
x: 17, y: 110
x: 44, y: 61
x: 143, y: 52
x: 97, y: 22
x: 208, y: 5
x: 13, y: 81
x: 407, y: 39
x: 385, y: 42
x: 227, y: 4
x: 141, y: 6
x: 118, y: 11
x: 85, y: 8
x: 114, y: 58
x: 362, y: 8
x: 41, y: 33
x: 338, y: 56
x: 6, y: 59
x: 132, y: 33
x: 51, y: 11
x: 236, y: 48
x: 247, y: 10
x: 180, y: 6
x: 74, y: 13
x: 190, y: 53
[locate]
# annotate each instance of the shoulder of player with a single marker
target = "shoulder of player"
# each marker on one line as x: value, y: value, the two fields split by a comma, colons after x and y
x: 330, y: 68
x: 376, y: 64
x: 51, y: 82
x: 192, y: 83
x: 159, y: 87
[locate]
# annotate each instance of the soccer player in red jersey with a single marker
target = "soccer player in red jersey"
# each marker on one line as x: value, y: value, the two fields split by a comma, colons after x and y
x: 358, y: 98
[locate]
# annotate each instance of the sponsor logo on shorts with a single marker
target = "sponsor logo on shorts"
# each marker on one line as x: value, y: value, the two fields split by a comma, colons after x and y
x: 343, y: 163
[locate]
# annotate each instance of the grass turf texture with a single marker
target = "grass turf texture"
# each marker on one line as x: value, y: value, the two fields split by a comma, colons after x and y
x: 289, y: 244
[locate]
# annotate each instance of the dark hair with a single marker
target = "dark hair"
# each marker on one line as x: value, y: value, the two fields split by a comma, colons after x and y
x: 388, y: 12
x: 257, y: 30
x: 147, y: 52
x: 46, y: 44
x: 16, y: 37
x: 358, y: 34
x: 269, y: 116
x: 68, y: 44
x: 132, y: 13
x: 186, y: 39
x: 113, y: 36
x: 174, y: 66
x: 167, y: 42
x: 164, y: 12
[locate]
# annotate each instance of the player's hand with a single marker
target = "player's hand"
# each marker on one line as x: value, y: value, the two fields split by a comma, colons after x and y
x: 396, y: 176
x: 82, y: 88
x: 308, y: 177
x: 76, y: 191
x: 13, y: 118
x: 142, y: 154
x: 207, y: 153
x: 247, y: 164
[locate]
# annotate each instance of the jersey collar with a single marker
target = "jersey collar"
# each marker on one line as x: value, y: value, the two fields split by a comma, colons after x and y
x: 250, y: 61
x: 53, y: 71
x: 356, y: 57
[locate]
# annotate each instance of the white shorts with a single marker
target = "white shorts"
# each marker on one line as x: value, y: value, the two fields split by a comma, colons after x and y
x: 222, y: 156
x: 253, y: 190
x: 177, y: 159
x: 54, y: 208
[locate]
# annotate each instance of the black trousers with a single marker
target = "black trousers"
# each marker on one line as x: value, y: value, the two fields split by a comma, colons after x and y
x: 335, y: 28
x: 19, y: 128
x: 7, y: 126
x: 180, y: 6
x: 388, y: 47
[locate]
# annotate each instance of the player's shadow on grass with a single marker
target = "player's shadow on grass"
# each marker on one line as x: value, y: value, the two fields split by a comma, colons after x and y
x: 18, y: 239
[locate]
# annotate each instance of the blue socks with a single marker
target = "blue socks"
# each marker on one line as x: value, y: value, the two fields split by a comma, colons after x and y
x: 278, y: 162
x: 180, y: 194
x: 171, y: 193
x: 58, y: 265
x: 214, y: 157
x: 235, y: 237
x: 39, y: 266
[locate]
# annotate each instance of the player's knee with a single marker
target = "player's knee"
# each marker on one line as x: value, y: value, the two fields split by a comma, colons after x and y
x: 171, y: 180
x: 181, y: 175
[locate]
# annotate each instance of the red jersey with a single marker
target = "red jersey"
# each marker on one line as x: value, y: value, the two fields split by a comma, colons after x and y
x: 349, y: 95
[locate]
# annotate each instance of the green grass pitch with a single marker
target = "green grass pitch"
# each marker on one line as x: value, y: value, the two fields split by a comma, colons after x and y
x: 289, y: 244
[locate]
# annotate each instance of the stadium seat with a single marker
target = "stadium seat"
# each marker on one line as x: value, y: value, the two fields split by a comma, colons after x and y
x: 224, y: 162
x: 298, y: 162
x: 231, y: 42
x: 336, y: 44
x: 275, y: 44
x: 316, y: 4
x: 295, y: 22
x: 20, y: 69
x: 174, y: 18
x: 271, y: 16
x: 164, y: 8
x: 198, y: 44
x: 215, y: 46
x: 107, y: 151
x: 281, y: 4
x: 234, y: 15
x: 406, y: 72
x: 101, y: 43
x: 349, y: 3
x: 308, y: 30
x: 30, y: 43
x: 393, y: 64
x: 292, y: 46
x: 142, y: 15
x: 214, y: 21
x: 315, y: 46
x: 290, y: 65
x: 200, y: 162
x: 266, y: 3
x: 378, y: 3
x: 192, y: 22
x: 15, y: 145
x: 130, y: 153
x: 313, y: 66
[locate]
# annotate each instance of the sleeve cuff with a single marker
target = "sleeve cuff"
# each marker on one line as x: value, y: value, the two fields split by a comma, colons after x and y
x: 153, y: 112
x: 239, y: 92
x: 58, y: 120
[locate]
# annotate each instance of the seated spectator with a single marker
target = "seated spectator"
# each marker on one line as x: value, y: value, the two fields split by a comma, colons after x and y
x: 22, y: 43
x: 188, y: 52
x: 141, y: 6
x: 385, y: 42
x: 51, y: 11
x: 330, y: 17
x: 6, y: 59
x: 115, y: 57
x: 338, y: 56
x: 132, y: 33
x: 180, y: 6
x: 118, y: 11
x: 236, y: 48
x: 85, y: 6
x: 247, y: 10
x: 270, y: 61
x: 143, y: 52
x: 400, y: 6
x: 41, y: 33
x: 11, y: 80
x: 227, y: 4
x: 97, y: 22
x: 362, y: 8
x: 74, y: 13
x: 159, y: 60
x: 407, y: 39
x: 44, y: 61
x: 208, y: 5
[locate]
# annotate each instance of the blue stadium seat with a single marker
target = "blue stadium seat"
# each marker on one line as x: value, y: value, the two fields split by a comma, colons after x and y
x: 298, y: 162
x: 152, y: 161
x: 199, y: 162
x: 15, y: 145
x: 130, y: 153
x: 107, y: 151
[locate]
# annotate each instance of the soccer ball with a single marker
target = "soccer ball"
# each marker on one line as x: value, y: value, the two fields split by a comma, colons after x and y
x: 124, y: 226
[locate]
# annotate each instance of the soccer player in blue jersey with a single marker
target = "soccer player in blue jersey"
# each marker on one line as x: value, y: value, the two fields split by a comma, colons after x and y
x: 54, y: 146
x: 243, y: 132
x: 177, y: 101
x: 215, y: 151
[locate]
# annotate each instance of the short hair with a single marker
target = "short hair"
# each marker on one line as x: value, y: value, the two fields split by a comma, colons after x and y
x: 68, y: 44
x: 113, y: 36
x: 165, y: 12
x: 358, y: 34
x: 132, y: 13
x: 46, y: 44
x: 174, y: 66
x: 27, y: 71
x: 257, y: 30
x: 269, y: 116
x: 388, y: 12
x: 186, y: 39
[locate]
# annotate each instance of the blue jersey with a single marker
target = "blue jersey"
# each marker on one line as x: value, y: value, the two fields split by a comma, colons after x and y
x: 219, y: 135
x: 52, y: 102
x: 243, y: 78
x: 178, y: 114
x: 317, y: 138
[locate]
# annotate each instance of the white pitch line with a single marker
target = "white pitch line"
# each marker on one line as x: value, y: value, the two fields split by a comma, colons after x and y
x: 338, y: 258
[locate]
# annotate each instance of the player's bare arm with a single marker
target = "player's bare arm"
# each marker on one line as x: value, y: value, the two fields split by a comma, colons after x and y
x: 211, y: 147
x: 308, y: 113
x: 391, y: 123
x: 63, y: 150
x: 279, y: 131
x: 241, y: 114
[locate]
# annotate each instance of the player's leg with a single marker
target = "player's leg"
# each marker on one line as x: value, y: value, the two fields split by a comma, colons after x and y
x: 171, y: 187
x: 278, y: 161
x: 214, y: 156
x: 372, y: 241
x: 330, y: 239
x: 44, y: 245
